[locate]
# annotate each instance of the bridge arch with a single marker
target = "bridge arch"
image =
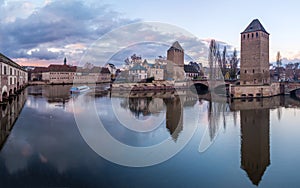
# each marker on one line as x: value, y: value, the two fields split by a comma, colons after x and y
x: 294, y: 92
x: 4, y: 92
x: 199, y: 88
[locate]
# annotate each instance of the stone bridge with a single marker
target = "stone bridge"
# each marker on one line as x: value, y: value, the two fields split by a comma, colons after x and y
x: 291, y: 87
x: 211, y: 84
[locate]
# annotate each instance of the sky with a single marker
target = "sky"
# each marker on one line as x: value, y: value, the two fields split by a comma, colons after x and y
x: 41, y: 32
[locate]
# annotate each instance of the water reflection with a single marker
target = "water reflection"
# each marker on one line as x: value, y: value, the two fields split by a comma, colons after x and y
x: 45, y: 147
x: 174, y: 116
x: 9, y: 113
x: 172, y: 103
x: 255, y: 142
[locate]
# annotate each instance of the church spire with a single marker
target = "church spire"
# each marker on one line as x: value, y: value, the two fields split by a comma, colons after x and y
x: 65, y: 61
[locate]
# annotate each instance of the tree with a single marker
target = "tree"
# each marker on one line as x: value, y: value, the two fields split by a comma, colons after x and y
x: 278, y: 60
x: 213, y: 61
x: 233, y: 65
x: 278, y: 63
x: 224, y: 61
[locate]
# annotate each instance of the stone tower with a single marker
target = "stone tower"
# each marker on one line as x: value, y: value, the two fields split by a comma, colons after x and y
x: 176, y: 54
x: 255, y: 55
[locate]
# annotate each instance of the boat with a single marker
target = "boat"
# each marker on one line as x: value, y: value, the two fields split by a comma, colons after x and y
x: 107, y: 88
x: 79, y: 89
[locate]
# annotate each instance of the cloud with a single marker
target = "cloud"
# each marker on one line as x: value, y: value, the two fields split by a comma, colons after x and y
x: 56, y: 29
x: 148, y: 39
x: 55, y: 25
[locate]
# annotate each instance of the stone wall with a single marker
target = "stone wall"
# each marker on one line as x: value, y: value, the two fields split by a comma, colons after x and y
x: 254, y: 91
x: 255, y: 58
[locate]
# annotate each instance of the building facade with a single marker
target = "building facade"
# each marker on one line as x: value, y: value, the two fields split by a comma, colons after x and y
x: 255, y: 55
x: 254, y: 68
x: 156, y: 71
x: 137, y: 73
x: 175, y: 54
x: 13, y: 77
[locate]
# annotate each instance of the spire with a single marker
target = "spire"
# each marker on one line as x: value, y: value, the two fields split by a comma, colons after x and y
x: 176, y: 45
x: 255, y: 25
x: 65, y: 61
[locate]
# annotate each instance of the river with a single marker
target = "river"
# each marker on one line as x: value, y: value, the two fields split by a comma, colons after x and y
x: 50, y: 138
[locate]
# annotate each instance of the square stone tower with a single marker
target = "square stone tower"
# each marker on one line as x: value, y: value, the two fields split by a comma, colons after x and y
x: 255, y: 55
x: 176, y: 54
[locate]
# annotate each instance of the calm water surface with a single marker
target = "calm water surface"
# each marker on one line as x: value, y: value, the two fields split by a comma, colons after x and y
x: 235, y: 144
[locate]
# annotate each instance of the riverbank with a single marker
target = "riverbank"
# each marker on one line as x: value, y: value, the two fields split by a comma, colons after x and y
x: 33, y: 83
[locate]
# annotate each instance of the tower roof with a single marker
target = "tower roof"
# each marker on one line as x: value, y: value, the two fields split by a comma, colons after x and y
x: 255, y: 25
x: 176, y: 45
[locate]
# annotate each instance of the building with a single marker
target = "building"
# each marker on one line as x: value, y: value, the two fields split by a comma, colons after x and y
x: 156, y: 71
x: 255, y: 55
x: 137, y: 73
x: 112, y: 69
x: 175, y: 54
x: 59, y: 74
x: 37, y: 73
x: 13, y: 77
x: 191, y: 72
x: 254, y: 68
x: 67, y: 74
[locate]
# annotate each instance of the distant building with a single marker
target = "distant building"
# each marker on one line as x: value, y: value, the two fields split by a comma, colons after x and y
x: 67, y: 74
x: 12, y: 77
x: 37, y: 73
x: 57, y: 74
x: 157, y: 71
x: 175, y: 54
x: 192, y: 70
x: 137, y: 73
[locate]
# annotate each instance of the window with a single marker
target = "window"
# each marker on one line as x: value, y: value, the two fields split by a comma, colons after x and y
x: 253, y: 71
x: 248, y: 35
x: 256, y: 34
x: 10, y: 80
x: 10, y: 71
x: 245, y: 71
x: 4, y: 70
x: 244, y: 36
x: 252, y: 35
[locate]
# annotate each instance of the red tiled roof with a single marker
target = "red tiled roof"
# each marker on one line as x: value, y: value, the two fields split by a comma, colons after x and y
x: 62, y: 68
x: 40, y: 69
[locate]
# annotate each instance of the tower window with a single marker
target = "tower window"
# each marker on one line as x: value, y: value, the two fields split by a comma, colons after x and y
x: 245, y: 71
x: 253, y: 71
x: 256, y: 34
x: 248, y: 35
x: 252, y: 35
x: 244, y: 36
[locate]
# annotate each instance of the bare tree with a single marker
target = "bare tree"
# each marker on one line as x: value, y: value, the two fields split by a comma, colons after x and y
x: 278, y: 59
x: 214, y: 61
x: 233, y: 65
x: 224, y: 61
x: 278, y: 63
